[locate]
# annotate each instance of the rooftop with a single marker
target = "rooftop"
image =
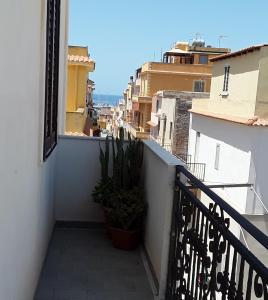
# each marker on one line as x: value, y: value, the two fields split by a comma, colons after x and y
x: 254, y: 121
x: 238, y: 53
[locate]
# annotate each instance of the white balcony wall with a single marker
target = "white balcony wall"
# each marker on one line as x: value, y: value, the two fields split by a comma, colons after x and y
x: 159, y: 179
x: 26, y: 182
x: 77, y: 172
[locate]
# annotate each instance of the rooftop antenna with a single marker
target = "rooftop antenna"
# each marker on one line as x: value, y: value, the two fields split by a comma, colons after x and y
x: 198, y: 36
x: 220, y: 37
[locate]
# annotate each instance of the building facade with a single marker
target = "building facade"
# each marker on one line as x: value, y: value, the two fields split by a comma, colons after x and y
x: 79, y: 90
x: 229, y: 131
x: 170, y: 119
x: 184, y: 68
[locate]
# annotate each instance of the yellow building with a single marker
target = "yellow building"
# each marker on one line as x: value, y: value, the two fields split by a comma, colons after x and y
x: 79, y: 65
x: 184, y: 68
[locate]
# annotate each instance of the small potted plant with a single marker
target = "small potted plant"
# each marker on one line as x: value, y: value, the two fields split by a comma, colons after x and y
x: 126, y: 218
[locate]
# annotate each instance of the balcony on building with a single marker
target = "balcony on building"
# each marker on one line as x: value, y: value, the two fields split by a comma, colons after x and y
x: 180, y: 231
x: 53, y: 243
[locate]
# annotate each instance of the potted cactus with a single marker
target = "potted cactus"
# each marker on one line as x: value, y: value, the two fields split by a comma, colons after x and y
x: 121, y: 194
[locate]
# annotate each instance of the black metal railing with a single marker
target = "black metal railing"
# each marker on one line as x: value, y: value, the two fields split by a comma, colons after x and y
x: 197, y: 169
x: 207, y: 260
x: 186, y: 158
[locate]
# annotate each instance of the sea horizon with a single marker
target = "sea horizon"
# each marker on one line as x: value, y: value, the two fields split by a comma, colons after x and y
x: 106, y: 99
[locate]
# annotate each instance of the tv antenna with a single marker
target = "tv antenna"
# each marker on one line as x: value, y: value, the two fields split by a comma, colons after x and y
x: 198, y: 36
x: 220, y: 37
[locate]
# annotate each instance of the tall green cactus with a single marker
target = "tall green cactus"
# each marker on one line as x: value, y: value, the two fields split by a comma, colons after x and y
x: 135, y: 160
x: 120, y: 171
x: 104, y: 160
x: 126, y: 166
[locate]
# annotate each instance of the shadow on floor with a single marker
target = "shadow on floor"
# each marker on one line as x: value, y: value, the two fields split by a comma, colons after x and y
x: 81, y: 264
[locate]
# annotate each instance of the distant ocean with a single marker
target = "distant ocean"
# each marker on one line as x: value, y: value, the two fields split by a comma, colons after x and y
x: 106, y: 99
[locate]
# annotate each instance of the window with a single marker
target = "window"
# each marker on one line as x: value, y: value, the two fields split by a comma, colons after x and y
x: 52, y: 73
x: 217, y: 157
x: 226, y: 78
x: 203, y: 59
x: 158, y: 126
x: 199, y: 86
x: 157, y: 105
x: 170, y: 130
x: 197, y: 143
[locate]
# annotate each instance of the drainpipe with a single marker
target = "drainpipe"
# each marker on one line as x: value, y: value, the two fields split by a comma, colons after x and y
x: 164, y: 118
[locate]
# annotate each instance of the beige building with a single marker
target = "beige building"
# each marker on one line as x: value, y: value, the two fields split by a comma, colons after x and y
x: 184, y: 68
x: 239, y: 89
x: 229, y: 133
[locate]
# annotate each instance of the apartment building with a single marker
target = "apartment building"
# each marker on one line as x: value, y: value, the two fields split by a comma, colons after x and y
x: 46, y: 185
x: 78, y: 90
x: 170, y: 119
x: 229, y: 131
x: 184, y: 68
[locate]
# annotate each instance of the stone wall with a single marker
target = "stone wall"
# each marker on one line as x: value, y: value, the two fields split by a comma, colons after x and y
x: 182, y: 121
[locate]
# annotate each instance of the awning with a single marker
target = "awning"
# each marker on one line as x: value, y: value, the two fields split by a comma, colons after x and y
x: 152, y: 124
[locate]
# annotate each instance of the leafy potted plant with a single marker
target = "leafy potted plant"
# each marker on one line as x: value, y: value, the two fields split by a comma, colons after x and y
x: 126, y: 218
x: 121, y: 194
x: 103, y: 190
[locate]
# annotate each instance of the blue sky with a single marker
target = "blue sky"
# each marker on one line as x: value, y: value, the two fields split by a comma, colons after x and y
x: 122, y: 35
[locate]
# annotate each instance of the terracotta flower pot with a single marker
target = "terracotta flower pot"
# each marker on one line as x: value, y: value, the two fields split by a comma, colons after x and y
x: 106, y: 221
x: 123, y: 239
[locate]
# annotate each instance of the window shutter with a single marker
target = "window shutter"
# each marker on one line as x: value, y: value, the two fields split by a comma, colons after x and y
x: 52, y: 74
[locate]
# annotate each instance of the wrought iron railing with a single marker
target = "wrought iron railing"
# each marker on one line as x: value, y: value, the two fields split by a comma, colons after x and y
x: 207, y: 258
x: 197, y: 169
x: 187, y: 158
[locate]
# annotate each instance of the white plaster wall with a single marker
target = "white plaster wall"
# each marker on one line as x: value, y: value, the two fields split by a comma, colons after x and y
x: 77, y: 172
x: 235, y: 153
x: 26, y: 183
x: 168, y: 108
x: 258, y: 170
x: 159, y: 177
x: 242, y: 160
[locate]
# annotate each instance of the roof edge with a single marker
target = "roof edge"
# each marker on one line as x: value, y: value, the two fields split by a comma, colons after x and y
x: 238, y: 53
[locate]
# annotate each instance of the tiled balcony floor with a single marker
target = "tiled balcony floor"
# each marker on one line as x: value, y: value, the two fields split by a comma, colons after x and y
x: 81, y: 264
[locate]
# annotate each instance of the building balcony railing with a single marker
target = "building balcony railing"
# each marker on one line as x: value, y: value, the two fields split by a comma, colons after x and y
x: 207, y: 259
x: 196, y: 168
x: 136, y: 132
x: 190, y: 245
x: 162, y: 143
x: 177, y: 68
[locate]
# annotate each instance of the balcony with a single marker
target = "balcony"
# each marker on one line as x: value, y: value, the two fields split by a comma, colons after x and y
x: 136, y: 132
x: 158, y: 67
x: 192, y: 248
x: 162, y: 143
x: 196, y: 168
